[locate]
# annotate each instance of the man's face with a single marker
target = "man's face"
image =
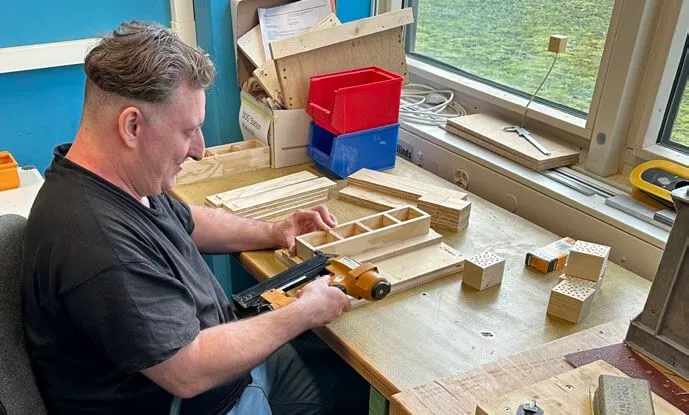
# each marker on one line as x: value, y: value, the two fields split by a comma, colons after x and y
x: 171, y: 135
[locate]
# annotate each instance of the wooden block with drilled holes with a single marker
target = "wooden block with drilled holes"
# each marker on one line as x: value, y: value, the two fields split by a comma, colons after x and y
x: 557, y: 43
x: 587, y: 260
x: 483, y: 270
x: 571, y: 299
x: 225, y: 160
x: 367, y: 233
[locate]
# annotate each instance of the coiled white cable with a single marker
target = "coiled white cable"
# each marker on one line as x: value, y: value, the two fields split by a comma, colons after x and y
x: 422, y: 104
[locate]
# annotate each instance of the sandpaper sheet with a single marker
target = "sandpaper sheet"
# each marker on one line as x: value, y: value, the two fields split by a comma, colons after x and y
x: 633, y: 365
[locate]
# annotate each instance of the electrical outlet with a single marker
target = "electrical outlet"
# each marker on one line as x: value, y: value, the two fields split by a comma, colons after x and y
x: 405, y: 150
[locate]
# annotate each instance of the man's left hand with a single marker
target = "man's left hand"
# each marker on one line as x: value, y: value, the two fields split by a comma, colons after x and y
x: 300, y: 222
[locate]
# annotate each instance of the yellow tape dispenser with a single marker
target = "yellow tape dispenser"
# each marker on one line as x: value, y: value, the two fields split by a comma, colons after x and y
x: 654, y: 180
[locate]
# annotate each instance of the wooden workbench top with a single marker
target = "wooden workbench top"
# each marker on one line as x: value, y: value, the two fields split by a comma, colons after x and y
x: 442, y: 328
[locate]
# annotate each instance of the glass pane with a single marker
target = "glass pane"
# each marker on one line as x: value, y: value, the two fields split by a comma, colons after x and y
x: 680, y: 132
x: 506, y: 41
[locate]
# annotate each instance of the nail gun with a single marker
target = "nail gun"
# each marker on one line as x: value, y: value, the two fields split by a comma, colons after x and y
x: 354, y: 279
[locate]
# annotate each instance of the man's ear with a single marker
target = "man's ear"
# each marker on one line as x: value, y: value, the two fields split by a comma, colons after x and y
x: 130, y: 126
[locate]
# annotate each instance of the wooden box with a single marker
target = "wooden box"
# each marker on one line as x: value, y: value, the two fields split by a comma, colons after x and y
x: 225, y: 160
x: 367, y: 233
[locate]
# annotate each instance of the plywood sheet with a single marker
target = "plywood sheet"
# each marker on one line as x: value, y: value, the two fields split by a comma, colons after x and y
x: 487, y: 131
x: 384, y: 49
x: 251, y: 43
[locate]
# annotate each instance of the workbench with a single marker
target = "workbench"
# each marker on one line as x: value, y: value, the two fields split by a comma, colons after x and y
x: 442, y: 328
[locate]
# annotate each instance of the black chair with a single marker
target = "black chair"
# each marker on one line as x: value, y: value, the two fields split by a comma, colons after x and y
x: 18, y: 391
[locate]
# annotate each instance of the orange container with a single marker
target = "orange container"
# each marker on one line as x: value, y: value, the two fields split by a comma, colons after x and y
x: 9, y: 176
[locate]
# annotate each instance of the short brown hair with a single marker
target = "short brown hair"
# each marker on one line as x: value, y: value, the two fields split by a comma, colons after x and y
x: 147, y: 62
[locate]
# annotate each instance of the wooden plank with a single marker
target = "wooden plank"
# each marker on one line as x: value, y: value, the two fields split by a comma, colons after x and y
x: 568, y: 393
x: 384, y: 49
x: 357, y: 239
x: 277, y: 195
x: 370, y: 198
x: 225, y: 160
x: 348, y: 32
x: 399, y: 186
x: 218, y: 199
x: 297, y: 199
x: 291, y: 208
x: 251, y: 43
x: 489, y: 130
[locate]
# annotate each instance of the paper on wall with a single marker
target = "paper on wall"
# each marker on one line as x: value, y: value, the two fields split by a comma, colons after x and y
x: 291, y: 19
x: 254, y: 121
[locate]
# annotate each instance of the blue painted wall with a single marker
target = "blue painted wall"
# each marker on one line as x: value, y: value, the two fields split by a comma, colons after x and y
x: 41, y: 108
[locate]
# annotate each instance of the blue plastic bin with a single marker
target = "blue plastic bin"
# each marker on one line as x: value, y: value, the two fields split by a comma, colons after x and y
x: 344, y: 154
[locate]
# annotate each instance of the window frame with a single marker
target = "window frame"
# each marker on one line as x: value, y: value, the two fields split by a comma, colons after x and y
x: 638, y: 34
x: 679, y: 88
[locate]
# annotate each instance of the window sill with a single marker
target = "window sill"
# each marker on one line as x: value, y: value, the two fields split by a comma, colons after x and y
x: 605, y: 223
x: 494, y: 96
x: 656, y: 151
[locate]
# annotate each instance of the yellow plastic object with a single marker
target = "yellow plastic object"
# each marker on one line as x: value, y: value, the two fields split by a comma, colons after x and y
x: 654, y: 180
x: 9, y: 176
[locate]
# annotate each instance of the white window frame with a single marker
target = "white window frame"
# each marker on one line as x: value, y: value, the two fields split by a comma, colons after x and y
x: 624, y: 113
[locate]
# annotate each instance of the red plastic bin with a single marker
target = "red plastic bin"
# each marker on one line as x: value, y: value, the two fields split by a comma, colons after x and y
x: 355, y: 100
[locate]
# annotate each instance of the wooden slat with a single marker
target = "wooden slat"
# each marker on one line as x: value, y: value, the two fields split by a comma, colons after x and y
x: 568, y: 393
x: 486, y: 130
x: 348, y: 32
x: 229, y: 159
x: 291, y: 208
x: 218, y: 199
x: 293, y: 200
x: 365, y: 241
x: 277, y: 195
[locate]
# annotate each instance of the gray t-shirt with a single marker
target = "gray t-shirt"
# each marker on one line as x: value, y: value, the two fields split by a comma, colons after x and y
x: 111, y: 287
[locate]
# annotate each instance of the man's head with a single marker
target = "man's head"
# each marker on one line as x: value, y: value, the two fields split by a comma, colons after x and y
x: 145, y: 103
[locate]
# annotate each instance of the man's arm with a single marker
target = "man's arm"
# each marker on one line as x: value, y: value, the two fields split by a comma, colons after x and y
x: 222, y: 353
x: 218, y: 231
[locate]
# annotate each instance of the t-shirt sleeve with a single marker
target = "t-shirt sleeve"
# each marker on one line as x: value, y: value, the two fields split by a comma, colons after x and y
x: 182, y: 212
x: 136, y: 315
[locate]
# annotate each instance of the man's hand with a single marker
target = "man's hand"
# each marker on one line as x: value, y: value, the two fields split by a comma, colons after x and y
x: 321, y: 302
x: 300, y: 222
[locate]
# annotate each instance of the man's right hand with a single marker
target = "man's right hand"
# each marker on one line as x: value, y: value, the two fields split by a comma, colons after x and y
x: 321, y: 302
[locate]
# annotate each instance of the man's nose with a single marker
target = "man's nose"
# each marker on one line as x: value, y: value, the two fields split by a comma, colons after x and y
x: 198, y: 147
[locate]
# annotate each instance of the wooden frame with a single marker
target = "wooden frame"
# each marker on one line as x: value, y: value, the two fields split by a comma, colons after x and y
x: 226, y: 160
x: 367, y: 233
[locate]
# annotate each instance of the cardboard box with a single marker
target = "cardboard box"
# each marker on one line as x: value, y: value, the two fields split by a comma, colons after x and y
x: 551, y: 257
x: 286, y: 131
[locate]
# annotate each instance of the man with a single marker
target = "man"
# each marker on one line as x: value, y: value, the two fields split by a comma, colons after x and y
x: 121, y: 313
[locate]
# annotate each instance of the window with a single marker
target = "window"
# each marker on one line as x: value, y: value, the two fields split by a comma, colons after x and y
x: 675, y: 129
x: 504, y: 43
